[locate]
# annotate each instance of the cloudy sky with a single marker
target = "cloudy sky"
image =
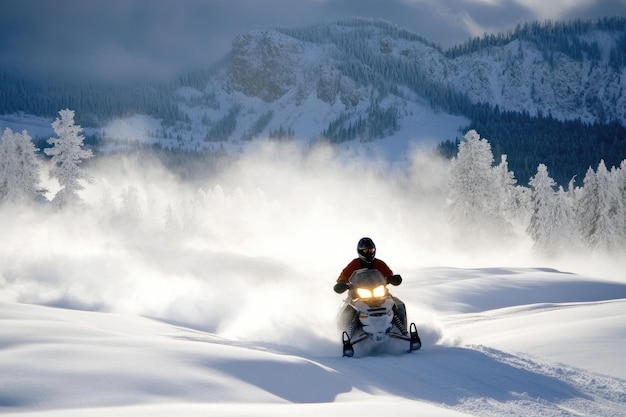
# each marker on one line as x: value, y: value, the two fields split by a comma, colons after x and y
x: 160, y: 38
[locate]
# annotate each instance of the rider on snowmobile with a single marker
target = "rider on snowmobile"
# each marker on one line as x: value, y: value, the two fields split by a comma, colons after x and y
x: 366, y: 250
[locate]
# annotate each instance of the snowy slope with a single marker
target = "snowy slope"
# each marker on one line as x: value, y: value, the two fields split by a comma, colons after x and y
x: 64, y: 362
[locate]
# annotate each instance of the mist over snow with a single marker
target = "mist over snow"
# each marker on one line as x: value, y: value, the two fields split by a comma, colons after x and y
x: 215, y: 295
x: 280, y: 222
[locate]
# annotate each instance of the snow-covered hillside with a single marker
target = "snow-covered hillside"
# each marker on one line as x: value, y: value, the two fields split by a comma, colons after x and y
x: 277, y: 85
x: 520, y: 77
x: 361, y: 83
x: 363, y: 79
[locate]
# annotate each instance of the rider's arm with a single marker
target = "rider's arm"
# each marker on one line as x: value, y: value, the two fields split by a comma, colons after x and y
x: 386, y: 271
x: 383, y: 268
x: 348, y: 270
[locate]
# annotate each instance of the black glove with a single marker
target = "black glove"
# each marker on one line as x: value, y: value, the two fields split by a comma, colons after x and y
x: 341, y: 287
x: 394, y: 280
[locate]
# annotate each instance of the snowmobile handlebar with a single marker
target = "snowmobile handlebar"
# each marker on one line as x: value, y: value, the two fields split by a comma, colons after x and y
x: 342, y: 287
x: 394, y: 280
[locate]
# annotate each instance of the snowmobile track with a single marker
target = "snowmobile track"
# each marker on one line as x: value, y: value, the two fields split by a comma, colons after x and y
x: 482, y: 381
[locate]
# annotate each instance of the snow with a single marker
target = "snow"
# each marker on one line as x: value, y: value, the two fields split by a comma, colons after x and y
x: 229, y: 310
x: 531, y: 359
x: 36, y: 126
x: 226, y: 307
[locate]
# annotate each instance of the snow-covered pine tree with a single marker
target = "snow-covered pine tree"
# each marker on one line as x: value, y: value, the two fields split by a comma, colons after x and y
x: 567, y: 237
x: 610, y: 207
x: 586, y: 208
x: 552, y: 224
x: 67, y: 154
x: 514, y: 199
x: 19, y: 168
x: 597, y: 210
x: 620, y: 185
x: 543, y: 198
x: 474, y: 205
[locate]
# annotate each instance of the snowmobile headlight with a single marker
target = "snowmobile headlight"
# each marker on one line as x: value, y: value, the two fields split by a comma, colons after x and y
x: 374, y: 293
x: 363, y: 293
x: 379, y: 291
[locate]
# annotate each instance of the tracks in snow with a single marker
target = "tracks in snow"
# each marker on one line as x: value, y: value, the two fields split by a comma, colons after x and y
x: 486, y: 382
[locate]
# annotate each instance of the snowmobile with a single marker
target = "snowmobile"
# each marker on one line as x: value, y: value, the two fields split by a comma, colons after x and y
x: 368, y: 312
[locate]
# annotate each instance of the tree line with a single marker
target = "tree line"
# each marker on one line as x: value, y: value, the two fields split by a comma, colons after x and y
x: 486, y: 201
x: 569, y: 147
x: 95, y: 102
x: 555, y: 36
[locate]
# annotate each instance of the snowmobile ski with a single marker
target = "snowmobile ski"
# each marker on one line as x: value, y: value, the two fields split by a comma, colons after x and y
x: 348, y: 349
x: 415, y: 342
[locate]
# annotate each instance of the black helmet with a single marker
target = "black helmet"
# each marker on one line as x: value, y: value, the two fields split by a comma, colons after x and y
x: 366, y: 249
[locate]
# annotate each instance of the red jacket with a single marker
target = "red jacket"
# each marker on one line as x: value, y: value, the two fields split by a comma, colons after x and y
x: 357, y: 263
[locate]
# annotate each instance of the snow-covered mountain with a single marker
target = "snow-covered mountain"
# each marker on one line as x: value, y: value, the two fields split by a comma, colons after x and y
x: 368, y: 84
x: 363, y: 79
x: 310, y: 83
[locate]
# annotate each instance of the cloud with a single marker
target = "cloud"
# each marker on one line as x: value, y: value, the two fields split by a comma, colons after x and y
x: 162, y: 38
x: 555, y: 9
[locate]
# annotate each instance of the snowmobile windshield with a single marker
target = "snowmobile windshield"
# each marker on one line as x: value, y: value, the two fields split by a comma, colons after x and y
x: 367, y: 278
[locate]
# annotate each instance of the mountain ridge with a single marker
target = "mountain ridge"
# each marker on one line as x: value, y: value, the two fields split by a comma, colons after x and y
x: 582, y: 80
x: 365, y: 80
x: 567, y: 70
